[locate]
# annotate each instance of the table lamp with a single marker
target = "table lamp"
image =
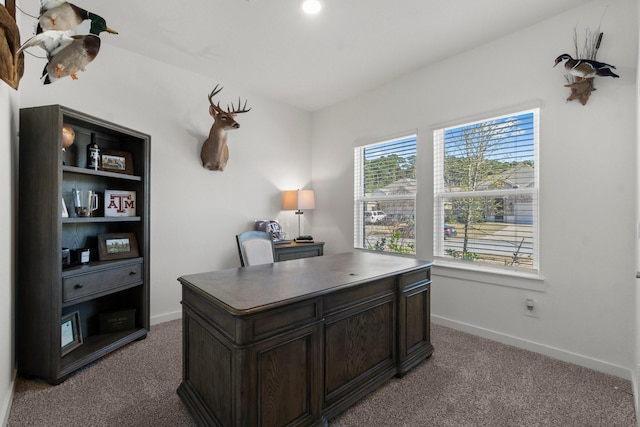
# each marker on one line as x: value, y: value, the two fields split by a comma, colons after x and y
x: 297, y: 200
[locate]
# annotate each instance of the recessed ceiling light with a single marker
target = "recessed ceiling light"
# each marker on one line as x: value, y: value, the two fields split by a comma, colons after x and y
x: 311, y: 7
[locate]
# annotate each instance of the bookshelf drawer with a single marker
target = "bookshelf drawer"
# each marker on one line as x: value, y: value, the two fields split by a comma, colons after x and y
x: 89, y: 284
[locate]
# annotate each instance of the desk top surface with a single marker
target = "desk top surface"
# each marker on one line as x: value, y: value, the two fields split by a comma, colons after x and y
x: 249, y: 289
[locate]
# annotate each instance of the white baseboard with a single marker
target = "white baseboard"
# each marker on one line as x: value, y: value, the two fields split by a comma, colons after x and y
x: 556, y: 353
x: 166, y: 317
x: 5, y: 405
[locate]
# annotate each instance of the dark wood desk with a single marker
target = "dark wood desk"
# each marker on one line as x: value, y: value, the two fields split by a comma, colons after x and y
x: 293, y: 250
x: 298, y: 342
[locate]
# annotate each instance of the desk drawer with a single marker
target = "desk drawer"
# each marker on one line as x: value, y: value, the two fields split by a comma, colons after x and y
x: 370, y: 293
x: 299, y: 253
x: 409, y: 280
x: 88, y: 284
x: 291, y: 251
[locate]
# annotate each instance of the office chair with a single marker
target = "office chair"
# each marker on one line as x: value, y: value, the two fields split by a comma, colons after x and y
x: 255, y: 248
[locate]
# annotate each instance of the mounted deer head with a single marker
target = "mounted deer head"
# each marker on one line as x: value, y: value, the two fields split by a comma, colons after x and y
x: 215, y: 152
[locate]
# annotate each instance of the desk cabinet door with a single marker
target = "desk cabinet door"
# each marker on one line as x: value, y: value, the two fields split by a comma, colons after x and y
x: 414, y: 309
x: 359, y: 351
x: 286, y: 387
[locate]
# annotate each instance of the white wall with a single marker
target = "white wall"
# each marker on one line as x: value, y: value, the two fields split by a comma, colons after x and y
x: 8, y: 131
x: 636, y: 371
x: 588, y: 184
x: 195, y: 213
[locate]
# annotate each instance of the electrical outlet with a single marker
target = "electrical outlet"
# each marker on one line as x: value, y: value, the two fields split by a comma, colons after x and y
x: 531, y: 308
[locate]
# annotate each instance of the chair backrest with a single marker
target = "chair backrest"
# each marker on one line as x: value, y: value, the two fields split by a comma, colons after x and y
x: 255, y: 248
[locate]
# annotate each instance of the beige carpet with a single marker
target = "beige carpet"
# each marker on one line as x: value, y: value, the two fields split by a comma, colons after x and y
x: 469, y: 381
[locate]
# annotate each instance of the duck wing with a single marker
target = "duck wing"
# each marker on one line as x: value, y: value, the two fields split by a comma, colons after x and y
x: 51, y: 41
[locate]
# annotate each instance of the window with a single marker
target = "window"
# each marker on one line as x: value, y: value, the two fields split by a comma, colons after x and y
x: 486, y: 192
x: 385, y: 196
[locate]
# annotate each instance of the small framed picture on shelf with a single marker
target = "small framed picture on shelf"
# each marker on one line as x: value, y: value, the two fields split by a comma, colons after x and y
x: 119, y: 203
x: 117, y: 246
x: 116, y: 161
x: 70, y: 332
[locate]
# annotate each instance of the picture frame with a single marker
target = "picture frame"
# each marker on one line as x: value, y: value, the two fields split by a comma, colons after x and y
x: 70, y: 332
x: 119, y: 203
x: 116, y: 161
x: 117, y: 246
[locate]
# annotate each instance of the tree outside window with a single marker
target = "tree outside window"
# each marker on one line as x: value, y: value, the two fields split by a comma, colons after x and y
x: 486, y: 191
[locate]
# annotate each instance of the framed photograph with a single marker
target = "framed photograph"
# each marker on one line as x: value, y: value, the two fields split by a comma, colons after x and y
x: 70, y: 332
x: 116, y: 161
x: 119, y: 203
x: 117, y: 246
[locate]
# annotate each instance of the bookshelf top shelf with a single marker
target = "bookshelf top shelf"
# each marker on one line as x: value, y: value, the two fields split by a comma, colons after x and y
x: 97, y: 219
x: 84, y: 171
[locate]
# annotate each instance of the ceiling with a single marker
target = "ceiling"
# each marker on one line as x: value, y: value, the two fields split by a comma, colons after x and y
x: 271, y: 48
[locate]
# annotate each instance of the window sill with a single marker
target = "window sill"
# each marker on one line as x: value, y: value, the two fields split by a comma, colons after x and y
x: 397, y: 254
x: 492, y: 276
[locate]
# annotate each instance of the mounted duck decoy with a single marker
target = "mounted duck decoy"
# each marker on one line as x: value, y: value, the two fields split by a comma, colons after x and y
x: 63, y: 16
x: 585, y: 68
x: 67, y: 51
x: 73, y: 58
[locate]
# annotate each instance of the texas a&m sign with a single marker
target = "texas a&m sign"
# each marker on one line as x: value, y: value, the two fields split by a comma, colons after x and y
x: 119, y: 203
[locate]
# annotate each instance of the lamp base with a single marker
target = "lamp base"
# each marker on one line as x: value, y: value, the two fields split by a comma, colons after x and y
x: 299, y: 213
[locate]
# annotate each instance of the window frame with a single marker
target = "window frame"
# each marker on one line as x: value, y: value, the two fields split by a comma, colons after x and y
x: 440, y: 196
x: 360, y: 199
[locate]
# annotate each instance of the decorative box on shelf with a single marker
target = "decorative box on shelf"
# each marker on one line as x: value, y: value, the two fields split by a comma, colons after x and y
x: 117, y: 321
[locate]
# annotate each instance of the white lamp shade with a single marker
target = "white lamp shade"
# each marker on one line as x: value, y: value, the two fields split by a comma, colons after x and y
x: 294, y: 200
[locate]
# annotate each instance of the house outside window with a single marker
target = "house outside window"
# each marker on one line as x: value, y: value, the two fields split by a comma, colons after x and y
x: 486, y: 192
x: 385, y: 196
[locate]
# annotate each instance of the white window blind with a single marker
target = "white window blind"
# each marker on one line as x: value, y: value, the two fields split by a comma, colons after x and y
x: 384, y: 195
x: 486, y: 192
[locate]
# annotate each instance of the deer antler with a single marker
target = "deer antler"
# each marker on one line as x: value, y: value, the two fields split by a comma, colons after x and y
x: 213, y: 93
x: 231, y: 110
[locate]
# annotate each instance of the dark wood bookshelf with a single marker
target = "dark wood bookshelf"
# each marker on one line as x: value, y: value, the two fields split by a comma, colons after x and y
x: 46, y: 289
